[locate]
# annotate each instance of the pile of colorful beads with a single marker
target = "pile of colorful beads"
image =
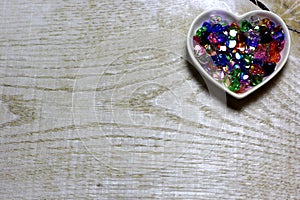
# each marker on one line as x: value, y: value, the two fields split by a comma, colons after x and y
x: 239, y: 55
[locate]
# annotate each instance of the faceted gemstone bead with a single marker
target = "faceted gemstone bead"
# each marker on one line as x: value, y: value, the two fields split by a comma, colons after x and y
x: 265, y: 22
x: 243, y: 88
x: 222, y: 38
x: 260, y: 52
x: 278, y: 34
x: 213, y: 38
x: 235, y: 85
x: 236, y: 73
x: 254, y: 19
x: 222, y: 60
x: 232, y: 32
x: 274, y: 52
x: 219, y: 74
x: 235, y: 26
x: 207, y: 26
x: 215, y: 19
x: 245, y: 26
x: 241, y: 46
x: 252, y: 42
x: 252, y: 38
x: 222, y: 48
x: 256, y: 70
x: 255, y: 79
x: 200, y: 31
x: 196, y: 40
x: 241, y: 37
x: 199, y: 50
x: 269, y: 68
x: 271, y: 25
x: 204, y: 39
x: 244, y: 78
x: 265, y: 35
x: 217, y: 28
x: 211, y: 50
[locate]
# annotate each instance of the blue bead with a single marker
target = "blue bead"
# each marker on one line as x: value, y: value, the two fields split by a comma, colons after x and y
x: 207, y: 25
x: 217, y: 28
x: 258, y: 62
x: 252, y: 42
x: 278, y: 35
x: 222, y: 38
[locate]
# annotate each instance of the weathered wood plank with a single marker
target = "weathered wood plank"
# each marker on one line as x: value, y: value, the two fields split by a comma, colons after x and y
x: 98, y: 101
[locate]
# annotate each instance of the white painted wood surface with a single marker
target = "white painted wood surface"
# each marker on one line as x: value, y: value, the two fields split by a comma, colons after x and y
x: 98, y: 101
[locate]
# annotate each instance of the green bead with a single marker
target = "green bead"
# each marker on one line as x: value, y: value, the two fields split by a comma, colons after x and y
x: 235, y: 73
x: 248, y: 59
x: 256, y: 79
x: 200, y: 31
x: 245, y: 26
x: 235, y: 85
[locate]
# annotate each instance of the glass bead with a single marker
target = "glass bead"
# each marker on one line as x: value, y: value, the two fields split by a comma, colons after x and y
x: 215, y: 19
x: 245, y: 26
x: 207, y: 26
x: 254, y: 19
x: 213, y: 38
x: 219, y: 74
x: 222, y: 38
x: 217, y: 28
x: 236, y: 73
x: 256, y: 70
x: 235, y: 85
x: 204, y: 59
x: 269, y: 68
x: 211, y: 50
x: 265, y: 21
x: 260, y: 52
x: 255, y: 80
x: 278, y: 34
x: 196, y: 40
x: 241, y: 46
x: 235, y: 26
x: 226, y: 81
x: 265, y: 35
x: 200, y: 31
x: 199, y: 50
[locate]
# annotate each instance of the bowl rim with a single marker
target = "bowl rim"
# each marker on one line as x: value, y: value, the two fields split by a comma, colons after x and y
x: 238, y: 18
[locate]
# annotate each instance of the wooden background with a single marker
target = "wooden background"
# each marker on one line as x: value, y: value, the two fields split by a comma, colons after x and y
x: 98, y: 101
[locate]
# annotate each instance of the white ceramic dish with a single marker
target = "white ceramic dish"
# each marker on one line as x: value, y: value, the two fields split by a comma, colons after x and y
x: 229, y: 17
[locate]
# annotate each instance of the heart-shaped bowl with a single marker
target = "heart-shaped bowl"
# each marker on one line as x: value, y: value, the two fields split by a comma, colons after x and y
x: 230, y: 18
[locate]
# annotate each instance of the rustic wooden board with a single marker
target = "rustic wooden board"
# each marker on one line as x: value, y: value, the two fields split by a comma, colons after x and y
x: 98, y: 101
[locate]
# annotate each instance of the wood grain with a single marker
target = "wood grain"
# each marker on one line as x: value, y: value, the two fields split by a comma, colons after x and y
x: 98, y: 101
